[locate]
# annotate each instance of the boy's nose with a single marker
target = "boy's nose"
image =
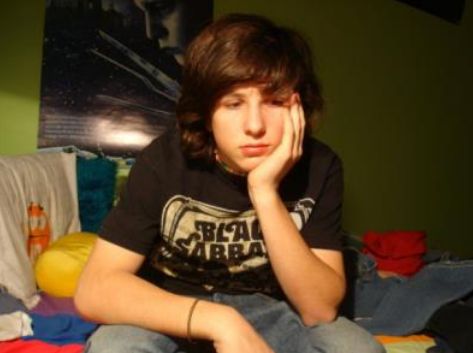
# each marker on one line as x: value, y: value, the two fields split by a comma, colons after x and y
x: 254, y: 122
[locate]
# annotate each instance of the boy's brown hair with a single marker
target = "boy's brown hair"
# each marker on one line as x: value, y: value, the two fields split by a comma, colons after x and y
x: 238, y: 50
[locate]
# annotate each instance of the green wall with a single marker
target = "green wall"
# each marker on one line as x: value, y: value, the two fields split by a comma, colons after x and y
x: 399, y: 115
x: 21, y: 36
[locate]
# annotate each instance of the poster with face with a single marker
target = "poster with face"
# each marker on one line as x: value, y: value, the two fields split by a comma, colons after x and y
x: 111, y: 71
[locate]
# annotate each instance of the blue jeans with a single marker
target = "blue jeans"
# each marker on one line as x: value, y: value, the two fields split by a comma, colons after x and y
x: 275, y: 320
x: 400, y: 306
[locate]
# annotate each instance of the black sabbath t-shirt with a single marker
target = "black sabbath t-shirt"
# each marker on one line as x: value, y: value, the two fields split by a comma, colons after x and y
x: 197, y: 227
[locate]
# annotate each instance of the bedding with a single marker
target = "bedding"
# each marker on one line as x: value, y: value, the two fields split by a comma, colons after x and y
x: 38, y: 204
x: 407, y: 344
x: 70, y: 339
x: 51, y: 326
x: 399, y: 306
x: 54, y: 181
x: 70, y: 190
x: 96, y: 180
x: 36, y: 346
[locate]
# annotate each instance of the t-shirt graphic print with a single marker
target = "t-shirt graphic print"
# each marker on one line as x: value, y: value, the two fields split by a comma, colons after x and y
x: 218, y: 248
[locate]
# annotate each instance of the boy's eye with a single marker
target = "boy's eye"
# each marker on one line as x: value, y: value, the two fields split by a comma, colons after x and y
x: 232, y: 104
x: 278, y: 102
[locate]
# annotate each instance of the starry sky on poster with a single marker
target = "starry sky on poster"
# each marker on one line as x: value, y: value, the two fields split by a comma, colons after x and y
x: 99, y: 87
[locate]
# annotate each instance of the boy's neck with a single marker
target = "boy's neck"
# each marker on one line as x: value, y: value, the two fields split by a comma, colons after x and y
x: 226, y: 167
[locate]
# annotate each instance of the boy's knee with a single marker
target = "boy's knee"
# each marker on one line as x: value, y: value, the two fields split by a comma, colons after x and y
x: 125, y: 339
x: 343, y: 336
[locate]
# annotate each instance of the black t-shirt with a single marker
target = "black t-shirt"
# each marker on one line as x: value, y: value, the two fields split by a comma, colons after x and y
x: 198, y: 229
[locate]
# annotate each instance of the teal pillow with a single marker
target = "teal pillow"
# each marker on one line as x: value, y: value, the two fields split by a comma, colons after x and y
x: 96, y: 179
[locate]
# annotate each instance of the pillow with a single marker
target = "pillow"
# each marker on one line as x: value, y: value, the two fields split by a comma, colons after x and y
x: 96, y: 189
x: 38, y: 202
x: 59, y: 267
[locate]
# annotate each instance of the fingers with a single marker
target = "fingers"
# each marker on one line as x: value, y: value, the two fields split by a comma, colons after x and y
x: 298, y: 123
x: 302, y: 128
x: 288, y: 138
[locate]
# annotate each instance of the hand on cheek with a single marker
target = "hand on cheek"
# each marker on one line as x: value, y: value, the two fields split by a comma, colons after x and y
x: 267, y: 175
x: 298, y: 124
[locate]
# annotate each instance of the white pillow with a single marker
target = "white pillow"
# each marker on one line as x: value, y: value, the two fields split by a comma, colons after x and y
x: 47, y: 180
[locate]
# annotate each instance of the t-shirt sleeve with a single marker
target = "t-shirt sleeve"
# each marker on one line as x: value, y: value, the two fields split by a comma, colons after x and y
x: 134, y: 222
x: 323, y: 229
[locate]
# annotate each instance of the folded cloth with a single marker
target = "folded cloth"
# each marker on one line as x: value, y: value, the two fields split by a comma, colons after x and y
x: 20, y: 346
x: 14, y: 325
x: 396, y: 251
x: 60, y: 329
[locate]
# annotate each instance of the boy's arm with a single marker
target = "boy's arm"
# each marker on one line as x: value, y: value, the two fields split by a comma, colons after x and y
x: 312, y: 279
x: 110, y: 292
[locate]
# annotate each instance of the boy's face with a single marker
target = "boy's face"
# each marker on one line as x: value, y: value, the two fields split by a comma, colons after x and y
x: 248, y: 124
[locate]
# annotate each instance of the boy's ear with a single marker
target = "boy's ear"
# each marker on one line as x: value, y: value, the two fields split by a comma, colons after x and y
x: 296, y: 98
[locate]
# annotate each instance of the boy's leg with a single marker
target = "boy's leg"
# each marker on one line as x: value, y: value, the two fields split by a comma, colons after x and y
x: 284, y: 331
x: 126, y: 339
x: 339, y: 336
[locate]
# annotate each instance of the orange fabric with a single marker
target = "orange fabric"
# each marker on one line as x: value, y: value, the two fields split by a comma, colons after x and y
x: 395, y: 339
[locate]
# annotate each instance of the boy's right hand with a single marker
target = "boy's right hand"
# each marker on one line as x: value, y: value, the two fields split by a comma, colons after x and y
x: 238, y: 336
x: 229, y: 331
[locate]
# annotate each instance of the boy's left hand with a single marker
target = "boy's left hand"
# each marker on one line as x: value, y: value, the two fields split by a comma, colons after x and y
x: 267, y: 176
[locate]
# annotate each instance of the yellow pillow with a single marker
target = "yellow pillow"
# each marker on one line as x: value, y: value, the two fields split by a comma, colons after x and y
x: 58, y: 268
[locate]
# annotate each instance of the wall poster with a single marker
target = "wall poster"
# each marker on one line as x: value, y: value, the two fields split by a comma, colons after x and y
x: 450, y: 10
x: 111, y: 71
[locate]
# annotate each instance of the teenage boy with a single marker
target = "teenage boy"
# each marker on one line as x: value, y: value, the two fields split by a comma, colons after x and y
x: 228, y: 230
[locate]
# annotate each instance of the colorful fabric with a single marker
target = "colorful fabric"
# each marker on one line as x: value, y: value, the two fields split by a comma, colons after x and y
x: 14, y: 325
x: 397, y: 339
x: 408, y: 347
x: 406, y: 344
x: 396, y: 251
x: 60, y: 329
x: 35, y: 346
x: 49, y: 305
x: 96, y: 179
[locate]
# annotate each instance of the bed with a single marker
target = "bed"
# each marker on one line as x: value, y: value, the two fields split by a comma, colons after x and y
x: 75, y: 191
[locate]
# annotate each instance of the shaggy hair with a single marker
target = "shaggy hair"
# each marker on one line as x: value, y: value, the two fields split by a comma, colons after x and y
x: 238, y: 50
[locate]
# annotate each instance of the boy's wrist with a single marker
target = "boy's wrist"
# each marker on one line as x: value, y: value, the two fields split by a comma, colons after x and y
x: 263, y: 197
x: 212, y: 321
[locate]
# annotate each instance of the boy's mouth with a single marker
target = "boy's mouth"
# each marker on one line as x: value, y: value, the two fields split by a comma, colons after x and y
x: 254, y: 150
